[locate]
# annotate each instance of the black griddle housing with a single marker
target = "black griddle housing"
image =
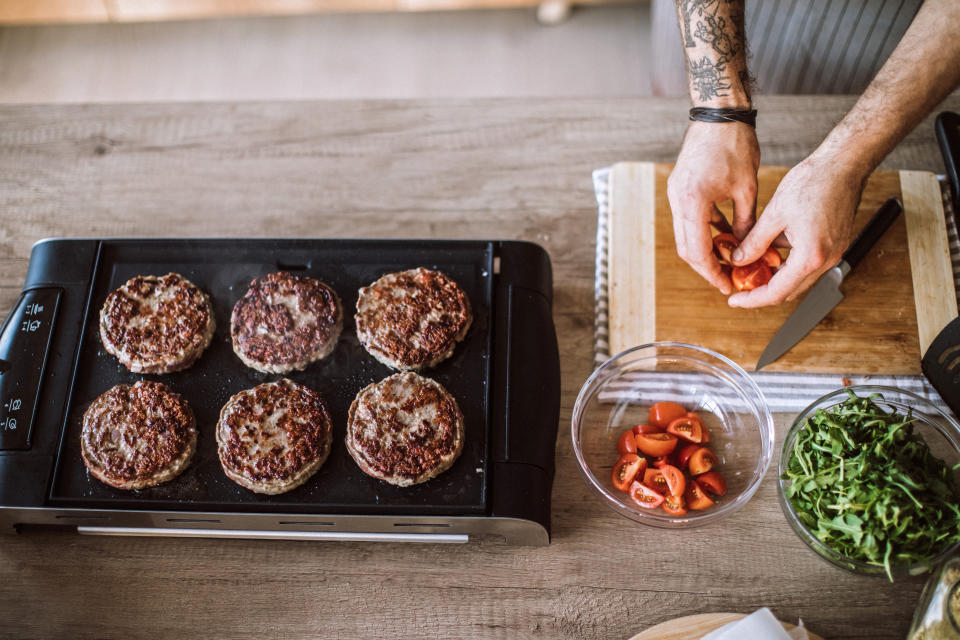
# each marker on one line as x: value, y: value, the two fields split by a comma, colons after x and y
x: 505, y: 376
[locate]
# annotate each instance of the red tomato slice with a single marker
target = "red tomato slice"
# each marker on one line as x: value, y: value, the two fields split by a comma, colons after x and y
x: 674, y: 478
x: 749, y: 277
x: 656, y: 444
x: 772, y: 257
x: 675, y: 505
x: 661, y: 461
x: 712, y: 482
x: 647, y: 428
x: 627, y: 443
x: 626, y: 470
x: 688, y: 427
x: 684, y: 453
x: 663, y: 413
x: 724, y: 244
x: 655, y: 479
x: 645, y: 496
x: 702, y: 461
x: 696, y: 498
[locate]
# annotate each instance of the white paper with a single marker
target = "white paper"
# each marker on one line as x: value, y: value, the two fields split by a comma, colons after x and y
x: 759, y: 625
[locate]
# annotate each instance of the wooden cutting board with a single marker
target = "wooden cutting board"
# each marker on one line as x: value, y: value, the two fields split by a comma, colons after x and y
x: 896, y: 300
x: 695, y: 627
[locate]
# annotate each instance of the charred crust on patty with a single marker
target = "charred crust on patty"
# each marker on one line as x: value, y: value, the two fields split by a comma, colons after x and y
x: 405, y: 429
x: 412, y: 319
x: 272, y: 438
x: 284, y: 322
x: 156, y: 324
x: 137, y: 436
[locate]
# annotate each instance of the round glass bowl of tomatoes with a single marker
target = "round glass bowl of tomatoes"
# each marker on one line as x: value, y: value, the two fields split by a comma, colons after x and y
x: 672, y: 435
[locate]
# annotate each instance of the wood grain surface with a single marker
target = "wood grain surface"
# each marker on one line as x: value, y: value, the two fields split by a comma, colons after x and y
x: 438, y: 169
x: 877, y: 329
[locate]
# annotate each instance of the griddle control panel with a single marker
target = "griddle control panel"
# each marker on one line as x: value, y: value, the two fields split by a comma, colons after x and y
x: 24, y: 343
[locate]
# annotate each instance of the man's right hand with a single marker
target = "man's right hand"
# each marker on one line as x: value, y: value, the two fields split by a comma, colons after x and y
x: 717, y: 162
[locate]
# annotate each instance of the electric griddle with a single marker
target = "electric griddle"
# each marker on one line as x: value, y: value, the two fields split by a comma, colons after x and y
x: 504, y: 375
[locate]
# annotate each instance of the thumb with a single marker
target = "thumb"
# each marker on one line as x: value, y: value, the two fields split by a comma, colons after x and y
x: 758, y: 240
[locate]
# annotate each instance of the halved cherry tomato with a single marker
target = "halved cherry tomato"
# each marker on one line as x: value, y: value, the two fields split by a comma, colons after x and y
x: 647, y: 428
x: 663, y: 413
x: 724, y: 244
x: 656, y: 444
x: 655, y: 479
x: 713, y: 482
x: 675, y: 481
x: 749, y: 277
x: 684, y: 453
x: 702, y: 461
x: 645, y: 496
x: 661, y: 461
x: 626, y: 470
x: 696, y: 497
x: 675, y: 505
x: 772, y: 257
x: 688, y: 427
x: 627, y: 443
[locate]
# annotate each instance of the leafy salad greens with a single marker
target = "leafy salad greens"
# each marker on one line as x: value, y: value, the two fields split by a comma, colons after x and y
x: 869, y: 488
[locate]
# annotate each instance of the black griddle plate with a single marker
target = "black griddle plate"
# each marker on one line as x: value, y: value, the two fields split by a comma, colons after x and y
x: 224, y: 269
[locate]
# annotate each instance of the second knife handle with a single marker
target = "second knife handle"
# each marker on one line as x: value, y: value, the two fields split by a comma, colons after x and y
x: 872, y: 231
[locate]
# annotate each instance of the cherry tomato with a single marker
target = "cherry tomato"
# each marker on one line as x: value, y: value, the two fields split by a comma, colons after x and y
x: 696, y: 497
x: 674, y: 478
x: 627, y: 443
x: 772, y: 257
x: 675, y: 505
x: 626, y: 469
x: 661, y: 461
x: 688, y: 427
x: 713, y: 482
x: 647, y: 428
x: 655, y: 479
x: 645, y: 496
x: 663, y: 413
x: 749, y: 277
x: 684, y: 453
x: 702, y: 461
x: 724, y: 244
x: 656, y: 444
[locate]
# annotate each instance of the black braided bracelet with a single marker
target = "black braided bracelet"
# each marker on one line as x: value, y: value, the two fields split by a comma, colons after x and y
x: 707, y: 114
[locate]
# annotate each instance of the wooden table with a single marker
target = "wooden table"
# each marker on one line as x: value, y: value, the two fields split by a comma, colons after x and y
x: 445, y: 169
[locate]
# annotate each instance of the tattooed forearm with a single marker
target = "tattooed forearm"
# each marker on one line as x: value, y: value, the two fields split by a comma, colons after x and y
x: 716, y: 48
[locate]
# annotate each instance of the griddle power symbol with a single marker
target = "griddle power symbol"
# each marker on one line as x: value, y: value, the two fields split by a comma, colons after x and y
x: 954, y: 362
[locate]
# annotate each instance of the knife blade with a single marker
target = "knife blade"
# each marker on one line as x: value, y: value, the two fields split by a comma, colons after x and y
x: 825, y: 294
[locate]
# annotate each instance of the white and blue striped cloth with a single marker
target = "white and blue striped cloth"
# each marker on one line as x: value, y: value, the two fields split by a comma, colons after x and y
x: 784, y: 392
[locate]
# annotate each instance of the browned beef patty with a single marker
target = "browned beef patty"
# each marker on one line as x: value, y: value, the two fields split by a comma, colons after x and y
x: 273, y: 437
x: 405, y: 429
x: 412, y: 319
x: 156, y: 324
x: 138, y: 436
x: 284, y: 322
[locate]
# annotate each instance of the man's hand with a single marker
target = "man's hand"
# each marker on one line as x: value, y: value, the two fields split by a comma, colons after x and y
x: 813, y: 208
x: 718, y: 162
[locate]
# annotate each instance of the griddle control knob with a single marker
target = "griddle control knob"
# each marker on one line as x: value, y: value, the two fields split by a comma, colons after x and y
x: 24, y: 343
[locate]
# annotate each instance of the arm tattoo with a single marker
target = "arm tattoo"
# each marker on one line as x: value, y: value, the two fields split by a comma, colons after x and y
x: 701, y: 21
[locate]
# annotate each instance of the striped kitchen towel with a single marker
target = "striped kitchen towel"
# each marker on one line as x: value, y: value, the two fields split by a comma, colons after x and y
x: 785, y: 392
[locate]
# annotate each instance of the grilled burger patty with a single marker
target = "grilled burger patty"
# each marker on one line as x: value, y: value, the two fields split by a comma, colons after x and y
x: 138, y: 436
x: 155, y: 324
x: 405, y: 429
x: 284, y: 322
x: 412, y: 319
x: 273, y: 437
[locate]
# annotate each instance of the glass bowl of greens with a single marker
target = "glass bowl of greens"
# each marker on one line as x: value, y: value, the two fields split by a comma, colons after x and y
x: 870, y: 480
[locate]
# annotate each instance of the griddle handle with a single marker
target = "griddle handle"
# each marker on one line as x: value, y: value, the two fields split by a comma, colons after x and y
x: 947, y: 127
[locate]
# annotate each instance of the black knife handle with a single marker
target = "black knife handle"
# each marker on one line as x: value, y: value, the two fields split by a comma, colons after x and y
x: 947, y: 126
x: 869, y: 235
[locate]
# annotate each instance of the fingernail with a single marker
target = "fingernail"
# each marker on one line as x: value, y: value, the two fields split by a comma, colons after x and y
x: 737, y: 255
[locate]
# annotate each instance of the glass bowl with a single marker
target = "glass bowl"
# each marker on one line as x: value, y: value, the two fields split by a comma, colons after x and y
x: 619, y: 394
x: 941, y: 433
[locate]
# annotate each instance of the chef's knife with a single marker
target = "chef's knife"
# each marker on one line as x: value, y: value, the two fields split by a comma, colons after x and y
x: 825, y: 293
